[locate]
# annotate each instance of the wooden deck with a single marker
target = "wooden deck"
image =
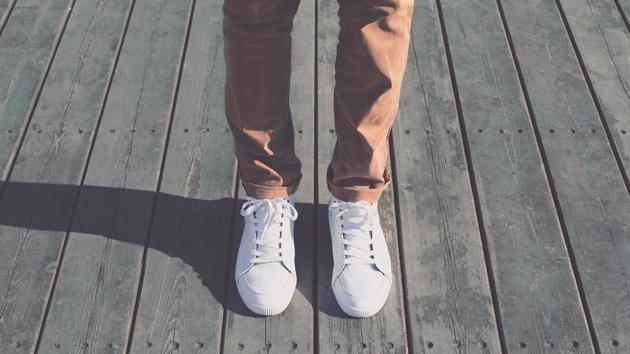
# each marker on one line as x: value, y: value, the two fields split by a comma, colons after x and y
x: 508, y: 220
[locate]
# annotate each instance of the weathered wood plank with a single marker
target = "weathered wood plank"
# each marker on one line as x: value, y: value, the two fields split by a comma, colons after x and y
x: 591, y: 192
x: 28, y: 42
x: 603, y: 41
x: 94, y: 296
x: 54, y: 153
x: 538, y: 299
x: 181, y: 301
x: 384, y: 332
x: 292, y: 330
x: 4, y: 6
x: 447, y: 288
x: 5, y: 10
x: 624, y: 8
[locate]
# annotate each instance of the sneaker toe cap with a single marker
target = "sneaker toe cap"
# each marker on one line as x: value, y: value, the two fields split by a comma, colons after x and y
x: 361, y: 300
x: 269, y: 294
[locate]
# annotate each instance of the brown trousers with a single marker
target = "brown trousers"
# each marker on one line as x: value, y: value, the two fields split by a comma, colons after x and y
x: 371, y: 58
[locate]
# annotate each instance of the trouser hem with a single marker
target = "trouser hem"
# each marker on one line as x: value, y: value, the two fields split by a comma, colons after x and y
x: 268, y: 192
x: 358, y: 193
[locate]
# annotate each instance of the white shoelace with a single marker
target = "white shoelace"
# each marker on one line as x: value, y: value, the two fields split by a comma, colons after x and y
x: 356, y: 230
x: 270, y: 216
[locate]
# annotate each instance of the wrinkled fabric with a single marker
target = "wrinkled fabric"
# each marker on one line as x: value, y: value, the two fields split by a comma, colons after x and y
x: 371, y: 56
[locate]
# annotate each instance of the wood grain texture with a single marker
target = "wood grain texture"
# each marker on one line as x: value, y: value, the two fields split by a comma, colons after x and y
x: 5, y: 10
x: 624, y: 8
x: 94, y: 297
x: 292, y: 330
x: 545, y: 201
x: 591, y: 192
x: 53, y: 153
x: 538, y: 299
x: 181, y: 301
x: 28, y: 42
x: 448, y: 295
x: 603, y: 42
x: 385, y: 332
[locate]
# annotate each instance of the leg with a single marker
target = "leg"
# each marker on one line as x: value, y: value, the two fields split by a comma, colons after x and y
x: 371, y: 58
x: 257, y: 43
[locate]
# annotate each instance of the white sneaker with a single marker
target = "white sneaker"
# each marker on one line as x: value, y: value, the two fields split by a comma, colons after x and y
x: 362, y: 274
x: 265, y: 265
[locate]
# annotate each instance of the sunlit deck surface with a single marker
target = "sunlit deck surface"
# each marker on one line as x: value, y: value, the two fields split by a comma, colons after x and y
x: 508, y: 218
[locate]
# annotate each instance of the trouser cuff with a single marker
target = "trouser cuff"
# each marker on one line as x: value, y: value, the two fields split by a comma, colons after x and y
x: 353, y: 194
x: 268, y: 192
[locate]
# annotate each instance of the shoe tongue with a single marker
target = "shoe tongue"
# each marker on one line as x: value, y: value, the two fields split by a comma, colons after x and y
x: 272, y: 222
x: 356, y: 218
x: 349, y: 247
x: 261, y: 214
x: 355, y: 215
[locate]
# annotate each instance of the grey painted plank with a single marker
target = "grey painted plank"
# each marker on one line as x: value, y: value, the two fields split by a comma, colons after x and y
x: 592, y: 195
x: 538, y: 300
x: 604, y: 44
x: 27, y: 42
x: 603, y: 41
x: 181, y: 301
x: 4, y: 6
x: 5, y: 10
x: 447, y: 287
x: 292, y: 330
x: 384, y: 332
x: 53, y: 153
x: 624, y: 7
x: 94, y: 296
